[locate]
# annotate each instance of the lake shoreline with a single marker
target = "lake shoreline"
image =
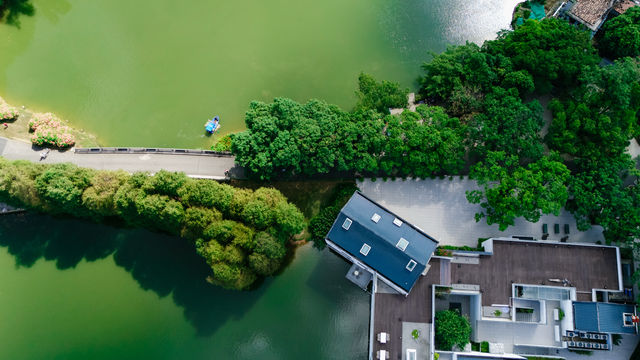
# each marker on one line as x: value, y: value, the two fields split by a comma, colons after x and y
x: 18, y: 128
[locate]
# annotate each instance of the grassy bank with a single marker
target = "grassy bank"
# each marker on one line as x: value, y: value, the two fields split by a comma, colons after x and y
x: 19, y: 128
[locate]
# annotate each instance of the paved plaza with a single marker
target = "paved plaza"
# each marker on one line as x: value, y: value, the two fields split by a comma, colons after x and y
x: 439, y: 207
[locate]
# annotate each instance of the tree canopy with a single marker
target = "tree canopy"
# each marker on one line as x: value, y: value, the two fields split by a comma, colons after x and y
x: 621, y: 35
x: 452, y: 329
x: 240, y: 233
x: 11, y: 10
x: 601, y: 115
x: 552, y: 51
x: 379, y: 96
x: 509, y: 191
x: 286, y: 138
x: 605, y: 192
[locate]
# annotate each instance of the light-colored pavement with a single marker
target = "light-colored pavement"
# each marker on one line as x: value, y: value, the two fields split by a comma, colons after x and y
x: 633, y: 148
x: 198, y: 166
x: 440, y: 208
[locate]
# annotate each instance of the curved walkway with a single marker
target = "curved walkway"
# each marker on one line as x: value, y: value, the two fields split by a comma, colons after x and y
x: 196, y: 166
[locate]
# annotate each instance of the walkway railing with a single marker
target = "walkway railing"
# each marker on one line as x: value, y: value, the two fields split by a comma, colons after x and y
x: 126, y: 150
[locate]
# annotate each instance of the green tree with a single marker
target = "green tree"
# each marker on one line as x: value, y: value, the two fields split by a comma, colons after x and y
x: 601, y: 116
x: 62, y: 185
x: 379, y: 96
x: 621, y: 35
x: 458, y: 78
x: 551, y: 50
x: 11, y: 10
x: 452, y: 329
x: 601, y: 193
x: 509, y: 191
x: 99, y: 197
x: 508, y: 125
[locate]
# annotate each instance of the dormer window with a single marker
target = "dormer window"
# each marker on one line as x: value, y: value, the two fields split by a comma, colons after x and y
x: 397, y: 222
x: 375, y: 218
x: 347, y: 224
x: 364, y: 250
x: 402, y: 244
x: 411, y: 265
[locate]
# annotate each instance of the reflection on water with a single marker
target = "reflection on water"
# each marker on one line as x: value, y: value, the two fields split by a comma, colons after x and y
x: 144, y: 74
x: 308, y: 311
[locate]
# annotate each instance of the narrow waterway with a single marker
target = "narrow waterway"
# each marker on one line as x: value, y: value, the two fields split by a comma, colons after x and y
x: 151, y: 73
x: 76, y: 290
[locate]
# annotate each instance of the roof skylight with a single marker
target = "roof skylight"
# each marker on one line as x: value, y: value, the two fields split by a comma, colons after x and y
x: 364, y: 250
x: 375, y: 218
x: 411, y: 265
x: 397, y: 222
x: 347, y: 224
x: 402, y: 244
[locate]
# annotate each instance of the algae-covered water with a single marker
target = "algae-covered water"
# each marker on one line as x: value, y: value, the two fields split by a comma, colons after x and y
x: 149, y: 73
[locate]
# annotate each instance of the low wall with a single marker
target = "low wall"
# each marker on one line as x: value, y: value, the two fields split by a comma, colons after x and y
x: 126, y: 150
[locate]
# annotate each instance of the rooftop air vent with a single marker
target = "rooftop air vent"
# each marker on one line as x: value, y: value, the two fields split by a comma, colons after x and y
x: 411, y: 265
x: 375, y: 218
x: 347, y: 224
x: 364, y: 250
x: 397, y: 222
x: 402, y: 244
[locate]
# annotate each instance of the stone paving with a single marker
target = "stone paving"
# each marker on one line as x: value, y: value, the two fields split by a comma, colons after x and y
x: 439, y: 207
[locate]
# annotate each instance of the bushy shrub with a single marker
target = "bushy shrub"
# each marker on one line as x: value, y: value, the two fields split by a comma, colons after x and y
x: 223, y: 143
x: 8, y: 112
x: 48, y: 130
x: 451, y: 329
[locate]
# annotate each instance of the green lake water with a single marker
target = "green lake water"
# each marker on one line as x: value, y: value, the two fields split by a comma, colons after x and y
x: 77, y: 290
x: 151, y: 73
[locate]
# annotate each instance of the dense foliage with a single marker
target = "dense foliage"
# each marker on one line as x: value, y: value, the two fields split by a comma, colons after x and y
x: 606, y: 192
x: 48, y: 130
x: 601, y: 115
x: 286, y: 138
x: 621, y: 35
x: 240, y: 233
x: 320, y: 224
x: 552, y: 51
x: 452, y: 329
x: 379, y: 96
x: 486, y: 122
x: 10, y: 10
x: 510, y: 191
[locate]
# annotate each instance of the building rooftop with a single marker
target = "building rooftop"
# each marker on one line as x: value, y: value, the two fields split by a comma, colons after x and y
x: 591, y: 12
x: 382, y: 240
x: 528, y: 262
x: 602, y: 317
x: 621, y: 6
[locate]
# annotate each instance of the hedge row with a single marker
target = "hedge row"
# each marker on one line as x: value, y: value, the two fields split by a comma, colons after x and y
x: 241, y: 233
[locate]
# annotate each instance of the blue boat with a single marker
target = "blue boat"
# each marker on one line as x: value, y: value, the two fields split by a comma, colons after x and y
x: 212, y: 125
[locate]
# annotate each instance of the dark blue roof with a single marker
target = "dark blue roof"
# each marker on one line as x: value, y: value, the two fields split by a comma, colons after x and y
x: 384, y: 256
x: 602, y: 317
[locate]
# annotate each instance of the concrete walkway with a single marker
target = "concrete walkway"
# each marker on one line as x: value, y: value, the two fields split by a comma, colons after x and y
x: 197, y: 166
x: 440, y: 208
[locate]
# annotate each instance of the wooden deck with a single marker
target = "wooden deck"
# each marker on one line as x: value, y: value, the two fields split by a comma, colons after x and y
x: 535, y: 263
x: 530, y: 263
x: 391, y: 310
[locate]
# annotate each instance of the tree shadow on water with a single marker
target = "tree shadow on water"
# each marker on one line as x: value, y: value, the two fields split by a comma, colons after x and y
x: 160, y: 263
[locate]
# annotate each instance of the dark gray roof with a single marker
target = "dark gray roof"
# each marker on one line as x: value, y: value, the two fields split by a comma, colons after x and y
x: 384, y: 256
x: 602, y: 317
